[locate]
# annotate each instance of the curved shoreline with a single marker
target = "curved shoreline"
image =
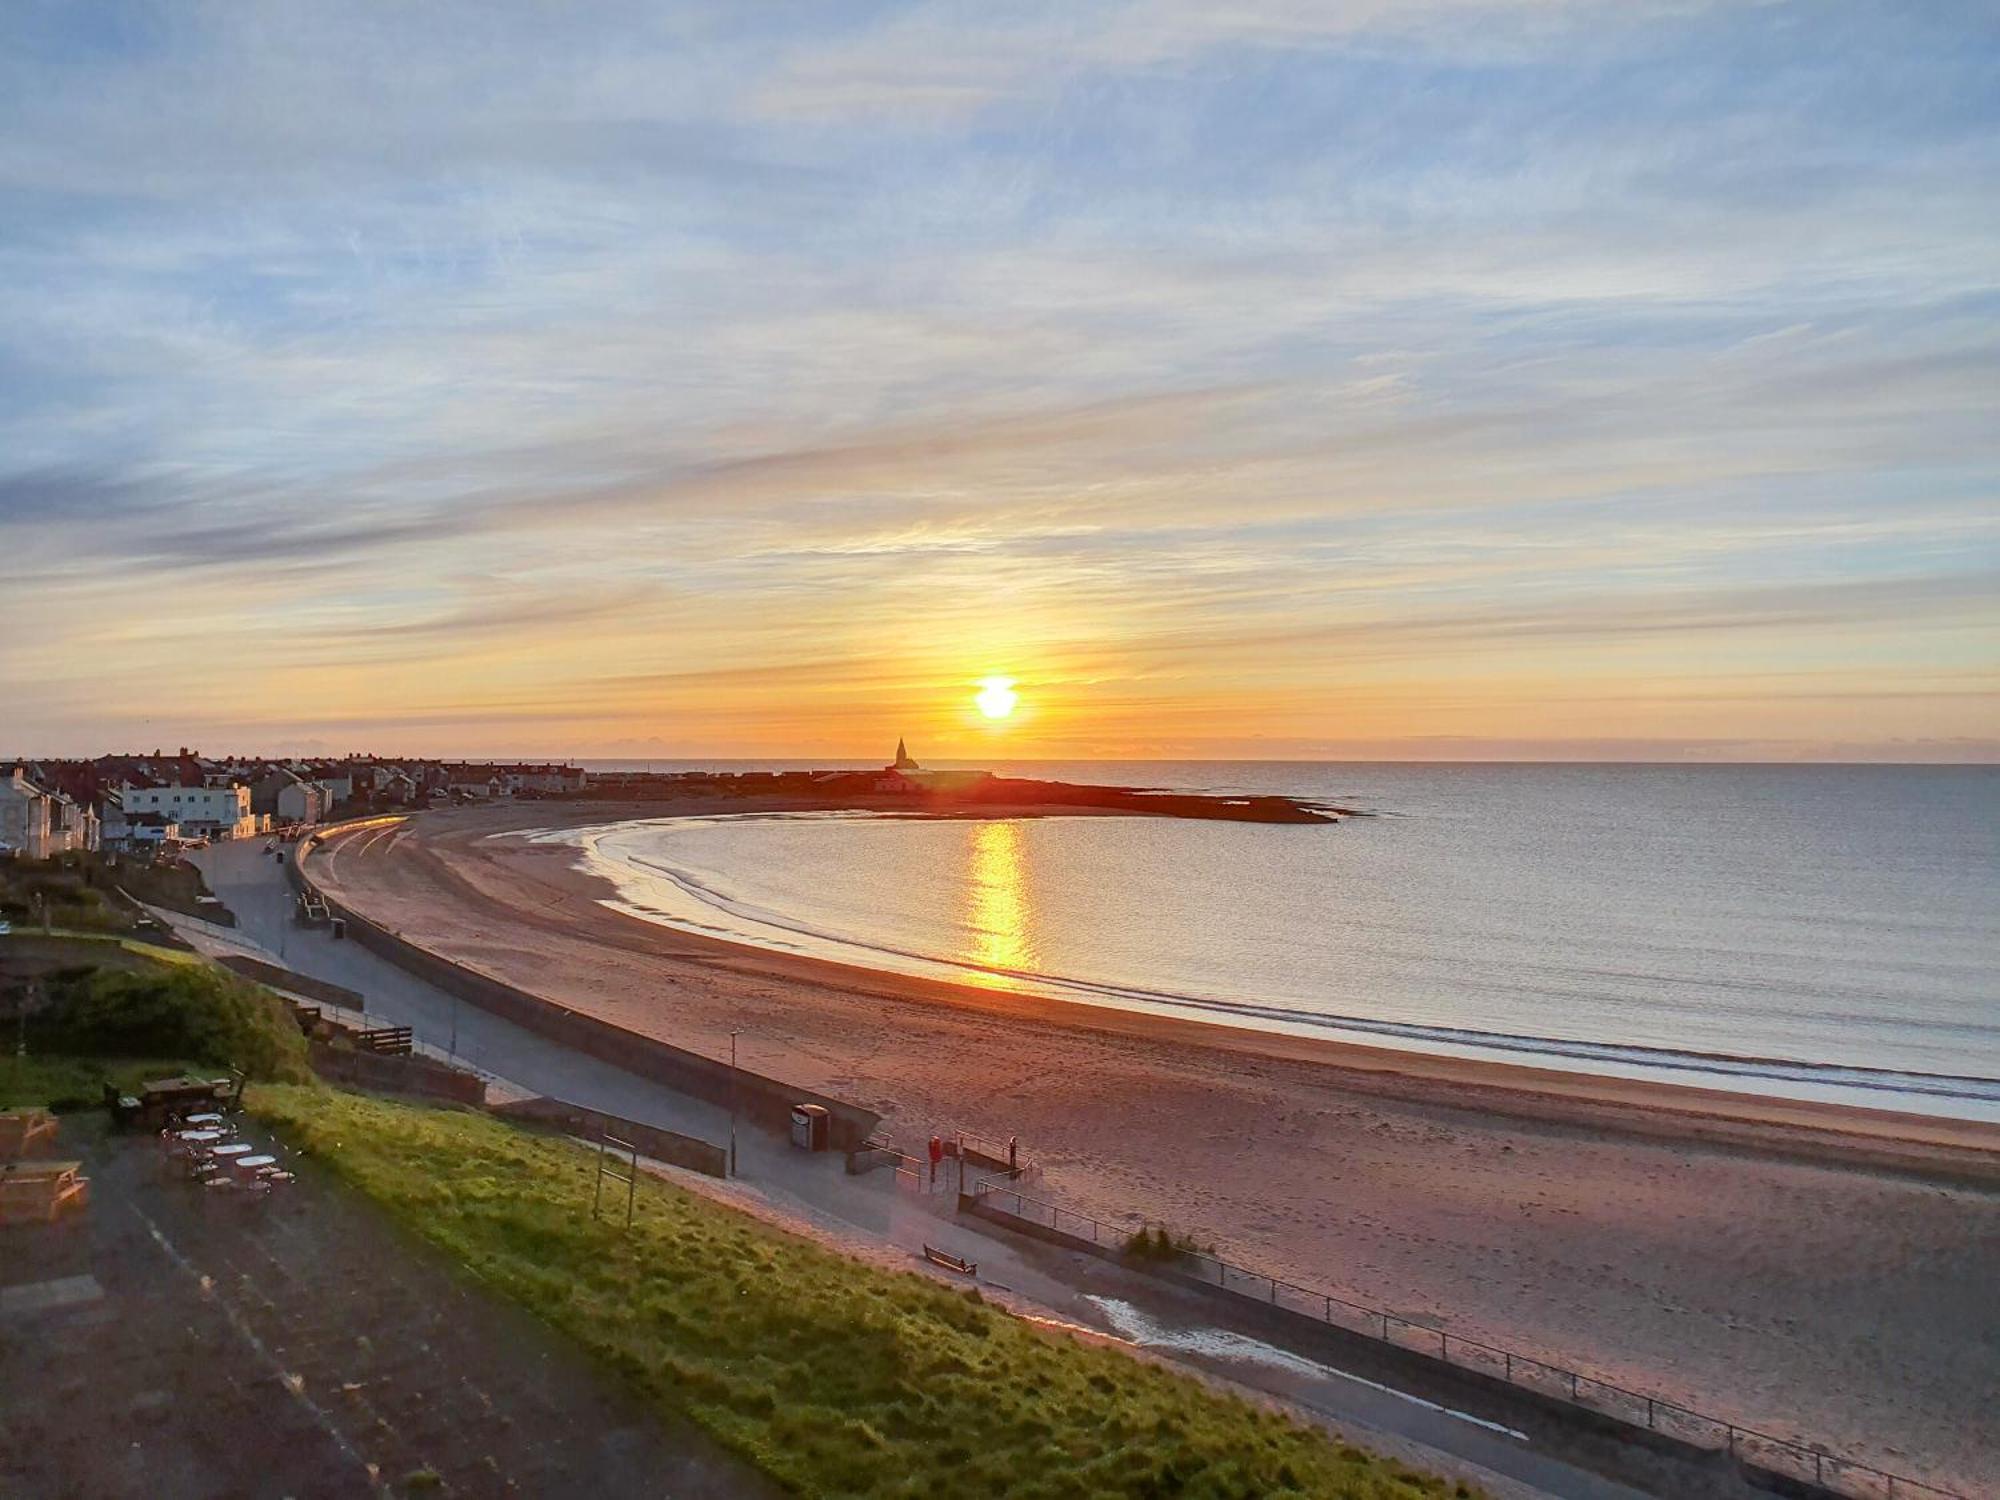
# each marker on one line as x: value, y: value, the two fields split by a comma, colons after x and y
x: 1814, y: 1129
x: 1774, y: 1262
x: 707, y: 912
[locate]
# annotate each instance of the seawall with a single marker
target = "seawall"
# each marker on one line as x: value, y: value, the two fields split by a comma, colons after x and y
x: 762, y: 1101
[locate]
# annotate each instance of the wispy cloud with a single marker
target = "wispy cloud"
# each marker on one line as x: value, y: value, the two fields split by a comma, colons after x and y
x: 1319, y: 374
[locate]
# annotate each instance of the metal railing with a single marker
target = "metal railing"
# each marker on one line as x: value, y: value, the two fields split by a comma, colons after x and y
x: 1846, y: 1476
x: 969, y: 1142
x: 612, y: 1156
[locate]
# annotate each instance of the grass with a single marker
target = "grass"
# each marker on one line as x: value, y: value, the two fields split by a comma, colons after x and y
x: 180, y: 957
x: 837, y: 1378
x: 170, y: 1010
x: 77, y: 1081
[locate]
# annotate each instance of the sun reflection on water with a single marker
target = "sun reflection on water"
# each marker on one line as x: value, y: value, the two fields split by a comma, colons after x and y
x: 996, y: 918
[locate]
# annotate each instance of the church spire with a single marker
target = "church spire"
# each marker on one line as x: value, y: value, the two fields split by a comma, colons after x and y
x: 903, y: 761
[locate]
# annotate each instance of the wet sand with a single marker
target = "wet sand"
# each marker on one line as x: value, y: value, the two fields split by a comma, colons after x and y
x: 1826, y: 1274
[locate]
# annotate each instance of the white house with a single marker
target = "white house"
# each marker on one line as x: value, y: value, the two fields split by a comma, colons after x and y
x: 221, y: 812
x: 338, y: 782
x: 547, y: 779
x: 75, y: 825
x: 289, y: 798
x: 476, y: 781
x: 27, y: 818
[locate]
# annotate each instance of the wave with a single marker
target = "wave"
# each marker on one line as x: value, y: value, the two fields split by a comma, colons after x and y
x: 759, y: 926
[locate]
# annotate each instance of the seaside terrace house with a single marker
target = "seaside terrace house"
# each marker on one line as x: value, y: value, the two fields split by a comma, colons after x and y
x: 548, y: 780
x: 336, y: 779
x: 27, y: 818
x: 215, y: 812
x: 371, y: 777
x: 482, y: 782
x: 283, y: 796
x: 38, y: 820
x: 138, y: 833
x: 81, y: 829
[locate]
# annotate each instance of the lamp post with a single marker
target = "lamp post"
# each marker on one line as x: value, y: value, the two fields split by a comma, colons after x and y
x: 732, y: 1104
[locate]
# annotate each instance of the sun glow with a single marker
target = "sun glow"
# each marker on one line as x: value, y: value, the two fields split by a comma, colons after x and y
x: 996, y: 697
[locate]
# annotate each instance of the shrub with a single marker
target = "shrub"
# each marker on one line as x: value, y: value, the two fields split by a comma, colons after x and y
x: 205, y: 1015
x: 1157, y: 1246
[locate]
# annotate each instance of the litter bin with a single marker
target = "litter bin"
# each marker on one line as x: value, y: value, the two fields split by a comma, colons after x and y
x: 339, y: 925
x: 809, y: 1126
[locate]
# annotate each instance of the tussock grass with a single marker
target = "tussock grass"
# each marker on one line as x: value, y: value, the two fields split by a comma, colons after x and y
x: 837, y: 1378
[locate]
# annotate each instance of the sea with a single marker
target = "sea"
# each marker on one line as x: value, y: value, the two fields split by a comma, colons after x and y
x: 1819, y: 932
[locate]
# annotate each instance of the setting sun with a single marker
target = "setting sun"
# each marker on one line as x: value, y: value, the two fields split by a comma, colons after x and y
x: 996, y: 697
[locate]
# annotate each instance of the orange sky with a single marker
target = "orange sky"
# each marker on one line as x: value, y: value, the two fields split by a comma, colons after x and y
x: 1483, y: 378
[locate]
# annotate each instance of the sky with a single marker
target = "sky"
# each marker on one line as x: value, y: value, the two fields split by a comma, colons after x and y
x: 1274, y: 378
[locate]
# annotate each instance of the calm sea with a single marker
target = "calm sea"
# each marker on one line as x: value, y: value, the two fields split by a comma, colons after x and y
x: 1825, y: 932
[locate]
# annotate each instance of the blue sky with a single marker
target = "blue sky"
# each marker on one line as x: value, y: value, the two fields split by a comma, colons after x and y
x: 1475, y: 377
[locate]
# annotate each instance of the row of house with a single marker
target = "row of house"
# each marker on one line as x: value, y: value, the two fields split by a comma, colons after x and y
x: 38, y: 824
x: 146, y: 801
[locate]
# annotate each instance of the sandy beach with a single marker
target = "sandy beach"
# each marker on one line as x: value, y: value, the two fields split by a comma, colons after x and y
x: 1825, y: 1274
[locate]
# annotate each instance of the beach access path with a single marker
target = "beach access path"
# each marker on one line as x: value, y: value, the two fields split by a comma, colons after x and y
x: 871, y: 1216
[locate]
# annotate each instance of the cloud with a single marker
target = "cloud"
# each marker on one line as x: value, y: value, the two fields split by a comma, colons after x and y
x: 736, y: 373
x: 938, y: 60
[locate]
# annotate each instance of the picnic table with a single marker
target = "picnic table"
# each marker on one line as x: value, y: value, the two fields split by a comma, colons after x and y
x: 34, y: 1192
x: 161, y: 1097
x: 22, y: 1130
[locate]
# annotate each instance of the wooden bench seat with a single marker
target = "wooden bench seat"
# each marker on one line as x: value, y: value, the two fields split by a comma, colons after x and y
x: 40, y: 1192
x: 950, y: 1262
x: 22, y: 1131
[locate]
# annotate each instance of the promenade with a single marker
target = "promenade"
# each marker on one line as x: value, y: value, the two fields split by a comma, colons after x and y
x: 871, y: 1216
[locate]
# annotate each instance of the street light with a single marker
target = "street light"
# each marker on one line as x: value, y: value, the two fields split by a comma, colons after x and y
x: 732, y: 1104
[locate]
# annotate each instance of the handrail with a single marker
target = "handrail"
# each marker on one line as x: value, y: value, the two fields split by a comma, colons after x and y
x: 1661, y: 1415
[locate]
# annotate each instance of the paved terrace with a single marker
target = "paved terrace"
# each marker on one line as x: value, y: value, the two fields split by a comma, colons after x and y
x: 170, y: 1344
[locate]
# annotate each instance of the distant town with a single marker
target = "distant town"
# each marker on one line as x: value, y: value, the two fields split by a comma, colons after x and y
x: 163, y: 803
x: 166, y: 801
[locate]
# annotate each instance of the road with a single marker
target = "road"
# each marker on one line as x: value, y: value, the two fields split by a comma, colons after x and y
x: 871, y: 1214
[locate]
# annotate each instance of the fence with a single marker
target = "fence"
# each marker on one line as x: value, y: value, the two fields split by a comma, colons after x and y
x: 1843, y: 1476
x: 393, y: 1074
x: 662, y: 1145
x: 385, y: 1041
x: 913, y: 1173
x: 763, y: 1101
x: 986, y: 1151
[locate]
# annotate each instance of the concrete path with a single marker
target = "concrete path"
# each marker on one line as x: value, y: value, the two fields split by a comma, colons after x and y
x: 872, y: 1213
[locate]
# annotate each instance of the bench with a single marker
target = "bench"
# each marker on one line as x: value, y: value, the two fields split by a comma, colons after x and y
x: 386, y: 1041
x: 164, y: 1098
x: 22, y: 1130
x: 40, y: 1192
x: 951, y: 1262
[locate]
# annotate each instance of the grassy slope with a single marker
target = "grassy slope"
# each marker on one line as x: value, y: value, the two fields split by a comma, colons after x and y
x: 838, y: 1378
x: 47, y: 1080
